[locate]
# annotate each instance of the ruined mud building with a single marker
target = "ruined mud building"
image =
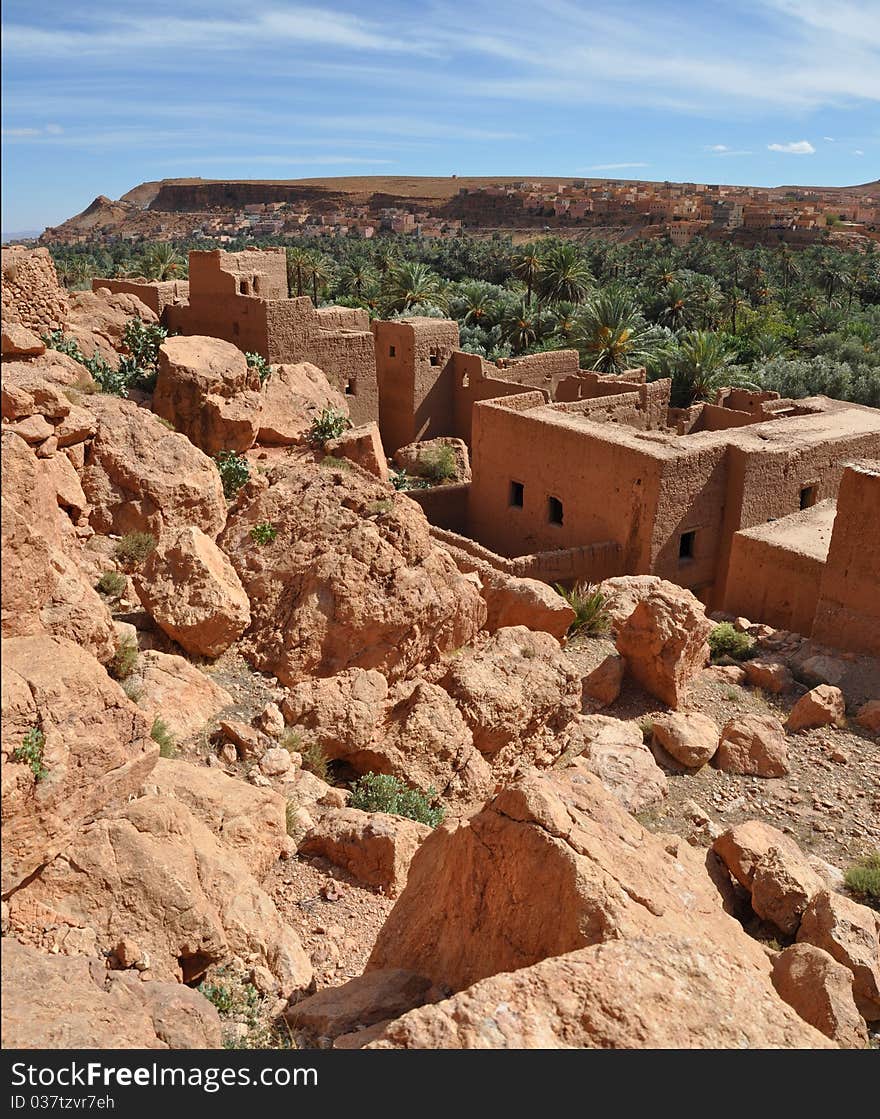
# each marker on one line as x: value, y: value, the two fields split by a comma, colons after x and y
x: 580, y: 476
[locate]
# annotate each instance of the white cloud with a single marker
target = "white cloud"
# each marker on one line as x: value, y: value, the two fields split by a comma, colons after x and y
x: 717, y: 148
x: 858, y: 151
x: 724, y: 150
x: 615, y: 166
x: 48, y: 130
x: 794, y: 147
x: 829, y: 139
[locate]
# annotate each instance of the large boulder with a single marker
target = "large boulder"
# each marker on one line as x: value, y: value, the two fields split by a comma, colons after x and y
x: 177, y: 692
x: 822, y: 707
x: 141, y: 477
x: 206, y: 389
x: 444, y: 459
x: 43, y: 587
x: 782, y: 887
x: 615, y: 752
x: 664, y: 641
x: 363, y: 446
x: 248, y: 820
x: 516, y: 692
x: 97, y: 320
x: 654, y: 991
x: 551, y: 864
x: 821, y: 991
x: 512, y: 601
x: 64, y: 1002
x: 192, y: 592
x: 688, y: 736
x: 602, y: 685
x: 336, y: 588
x: 291, y: 398
x: 850, y: 933
x: 755, y: 745
x: 744, y: 845
x: 96, y: 749
x: 154, y: 873
x: 374, y: 847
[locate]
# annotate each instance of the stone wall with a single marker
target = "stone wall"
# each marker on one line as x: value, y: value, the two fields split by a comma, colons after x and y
x: 31, y: 293
x: 156, y: 294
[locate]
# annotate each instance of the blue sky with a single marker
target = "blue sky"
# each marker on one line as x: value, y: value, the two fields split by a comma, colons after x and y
x: 101, y: 96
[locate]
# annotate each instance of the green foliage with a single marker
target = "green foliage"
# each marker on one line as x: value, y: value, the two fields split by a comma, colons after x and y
x: 382, y: 792
x: 112, y: 583
x: 124, y: 661
x: 328, y: 424
x: 332, y: 462
x: 142, y: 340
x: 234, y: 472
x: 314, y: 758
x: 591, y: 617
x: 31, y: 751
x: 244, y: 1012
x: 863, y: 879
x: 725, y: 641
x: 133, y: 548
x: 161, y: 734
x: 258, y: 362
x: 438, y: 464
x: 263, y: 533
x: 403, y: 481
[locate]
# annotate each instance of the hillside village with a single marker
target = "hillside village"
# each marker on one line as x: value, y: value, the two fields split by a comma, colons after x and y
x: 226, y: 211
x: 360, y: 691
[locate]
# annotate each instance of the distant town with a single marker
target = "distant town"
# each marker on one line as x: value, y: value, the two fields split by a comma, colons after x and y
x: 225, y: 211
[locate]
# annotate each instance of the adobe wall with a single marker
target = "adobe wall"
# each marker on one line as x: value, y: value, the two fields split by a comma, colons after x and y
x: 608, y: 487
x: 848, y: 610
x: 241, y: 320
x: 343, y: 318
x: 156, y: 294
x: 445, y: 506
x: 775, y: 569
x: 31, y: 293
x: 589, y: 563
x: 475, y: 379
x: 415, y: 377
x: 348, y: 359
x: 253, y: 272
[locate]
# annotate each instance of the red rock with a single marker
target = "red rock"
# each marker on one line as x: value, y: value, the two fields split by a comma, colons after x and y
x: 782, y: 887
x: 753, y: 744
x: 192, y: 591
x: 614, y: 751
x: 772, y: 676
x: 602, y: 685
x: 743, y: 846
x: 18, y: 341
x: 823, y: 706
x: 820, y: 990
x: 291, y: 398
x: 361, y: 445
x: 851, y: 934
x: 420, y: 459
x: 523, y: 602
x: 177, y: 692
x: 869, y: 715
x: 664, y: 641
x: 687, y: 736
x: 362, y: 1002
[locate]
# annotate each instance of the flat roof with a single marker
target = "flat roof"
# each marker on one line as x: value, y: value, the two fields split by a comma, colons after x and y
x: 807, y: 532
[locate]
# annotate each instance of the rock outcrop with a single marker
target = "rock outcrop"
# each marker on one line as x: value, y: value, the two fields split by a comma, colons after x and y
x: 755, y: 745
x: 336, y: 588
x: 291, y: 398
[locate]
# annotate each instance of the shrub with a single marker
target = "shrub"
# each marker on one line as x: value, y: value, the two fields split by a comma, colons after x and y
x: 314, y: 758
x: 334, y: 463
x: 590, y: 614
x: 133, y: 689
x: 725, y: 641
x: 438, y: 464
x: 863, y: 879
x: 382, y: 792
x: 161, y: 734
x: 258, y: 362
x: 328, y: 424
x: 133, y: 548
x: 234, y: 472
x: 112, y: 583
x: 263, y: 533
x: 243, y: 1012
x: 142, y: 340
x: 31, y: 751
x: 124, y: 660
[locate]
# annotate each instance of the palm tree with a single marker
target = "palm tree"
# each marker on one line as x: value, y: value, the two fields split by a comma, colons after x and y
x: 612, y: 334
x: 299, y: 262
x: 479, y: 304
x: 321, y: 273
x: 527, y: 267
x: 412, y: 282
x: 563, y: 274
x: 163, y: 261
x: 673, y: 305
x: 355, y: 278
x: 522, y: 325
x: 700, y: 367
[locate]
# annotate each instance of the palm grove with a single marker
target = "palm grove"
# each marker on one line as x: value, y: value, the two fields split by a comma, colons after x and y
x: 706, y: 314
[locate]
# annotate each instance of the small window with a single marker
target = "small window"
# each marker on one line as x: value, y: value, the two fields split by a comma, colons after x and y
x: 465, y: 381
x: 686, y: 545
x: 392, y: 352
x: 808, y: 497
x: 256, y: 285
x: 517, y: 490
x: 554, y: 510
x: 242, y: 287
x: 434, y: 357
x: 351, y: 387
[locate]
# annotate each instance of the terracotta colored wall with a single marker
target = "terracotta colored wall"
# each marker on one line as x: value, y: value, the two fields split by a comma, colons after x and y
x: 31, y: 293
x: 608, y: 489
x: 349, y: 362
x: 773, y: 585
x: 156, y: 294
x: 343, y: 318
x: 848, y: 610
x: 445, y: 506
x: 590, y: 563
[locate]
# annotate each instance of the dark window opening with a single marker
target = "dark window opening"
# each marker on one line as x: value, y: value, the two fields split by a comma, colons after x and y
x: 554, y: 510
x: 808, y: 497
x: 517, y: 490
x: 256, y: 285
x: 434, y: 357
x: 686, y: 545
x: 392, y: 352
x: 351, y: 387
x: 242, y: 287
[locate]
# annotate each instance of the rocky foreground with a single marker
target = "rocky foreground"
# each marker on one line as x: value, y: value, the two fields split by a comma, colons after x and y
x: 637, y: 848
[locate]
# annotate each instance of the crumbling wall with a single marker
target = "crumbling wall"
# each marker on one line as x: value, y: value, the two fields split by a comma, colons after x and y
x: 590, y: 563
x: 445, y: 506
x: 156, y: 294
x: 343, y: 318
x: 848, y: 609
x: 31, y: 293
x: 348, y: 359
